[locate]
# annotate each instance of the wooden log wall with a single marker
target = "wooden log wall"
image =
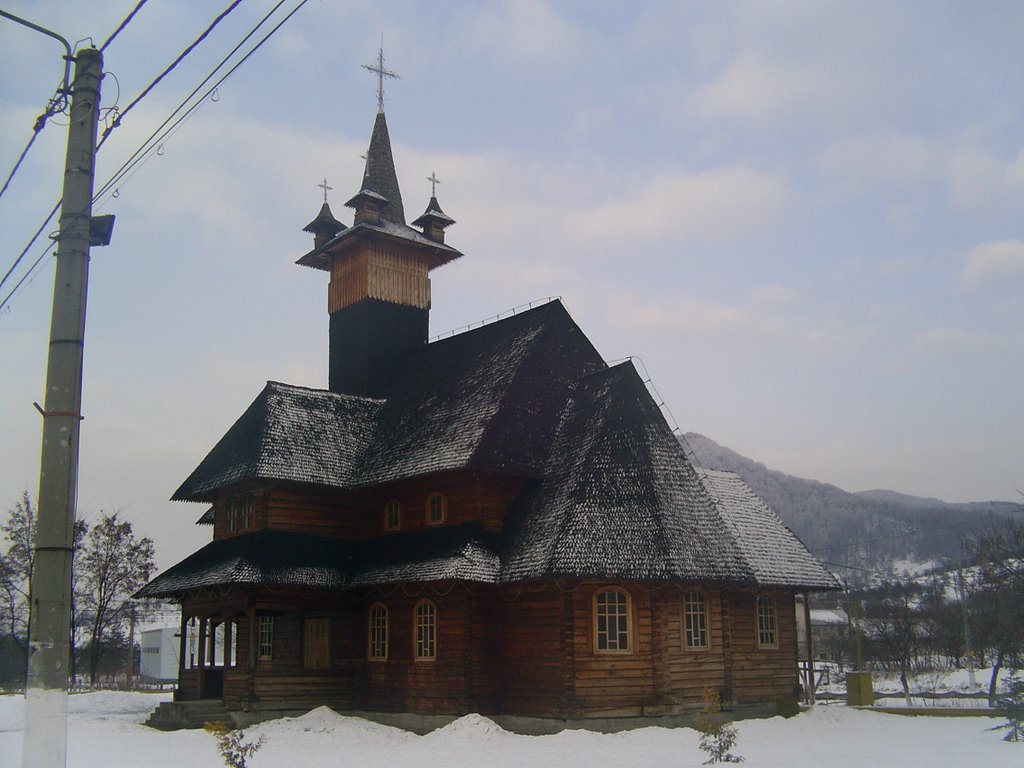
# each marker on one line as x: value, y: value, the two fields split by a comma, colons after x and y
x: 320, y: 514
x: 763, y: 674
x: 527, y: 651
x: 613, y: 684
x: 533, y: 644
x: 469, y: 497
x: 681, y: 673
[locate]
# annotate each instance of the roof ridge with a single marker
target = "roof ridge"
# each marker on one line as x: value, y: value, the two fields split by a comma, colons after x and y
x: 462, y: 330
x: 319, y: 391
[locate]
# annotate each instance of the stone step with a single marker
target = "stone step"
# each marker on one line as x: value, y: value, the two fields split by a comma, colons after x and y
x: 178, y: 715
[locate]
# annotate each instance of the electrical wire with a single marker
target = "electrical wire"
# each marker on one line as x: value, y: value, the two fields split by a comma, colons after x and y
x: 122, y: 172
x: 170, y: 68
x: 122, y: 25
x: 136, y: 159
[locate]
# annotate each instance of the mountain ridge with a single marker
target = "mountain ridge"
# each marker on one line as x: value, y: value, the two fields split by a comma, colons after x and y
x: 864, y: 535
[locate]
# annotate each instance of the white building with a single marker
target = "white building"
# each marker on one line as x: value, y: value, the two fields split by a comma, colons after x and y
x: 160, y: 655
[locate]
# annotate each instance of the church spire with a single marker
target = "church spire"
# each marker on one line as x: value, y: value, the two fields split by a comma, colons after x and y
x: 379, y: 177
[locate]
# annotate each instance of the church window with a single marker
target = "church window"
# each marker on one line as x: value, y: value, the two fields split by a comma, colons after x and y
x: 426, y: 631
x: 695, y: 620
x: 436, y: 508
x: 232, y: 514
x: 392, y: 516
x: 266, y: 637
x: 316, y: 649
x: 767, y: 636
x: 612, y: 621
x: 378, y: 632
x: 245, y: 512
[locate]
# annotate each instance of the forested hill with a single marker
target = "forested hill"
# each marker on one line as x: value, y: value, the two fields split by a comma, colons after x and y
x: 872, y: 531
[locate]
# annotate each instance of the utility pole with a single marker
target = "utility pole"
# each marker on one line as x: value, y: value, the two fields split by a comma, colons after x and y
x: 968, y: 653
x: 45, y: 736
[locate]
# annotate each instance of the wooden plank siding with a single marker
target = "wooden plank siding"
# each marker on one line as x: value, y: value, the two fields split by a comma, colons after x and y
x: 384, y: 271
x: 763, y: 674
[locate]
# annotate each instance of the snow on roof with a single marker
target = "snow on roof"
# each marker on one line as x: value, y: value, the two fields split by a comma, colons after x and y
x: 609, y: 492
x: 771, y: 550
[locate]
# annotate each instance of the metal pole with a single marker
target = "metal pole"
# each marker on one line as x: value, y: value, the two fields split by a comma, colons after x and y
x: 45, y: 736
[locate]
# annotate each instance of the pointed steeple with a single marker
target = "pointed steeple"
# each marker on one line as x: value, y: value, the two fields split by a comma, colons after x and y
x: 379, y: 177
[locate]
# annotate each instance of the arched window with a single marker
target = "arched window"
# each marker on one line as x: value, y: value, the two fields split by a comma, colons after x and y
x: 612, y: 622
x: 425, y: 631
x: 695, y: 620
x: 767, y: 635
x: 378, y: 641
x: 437, y: 506
x: 392, y: 515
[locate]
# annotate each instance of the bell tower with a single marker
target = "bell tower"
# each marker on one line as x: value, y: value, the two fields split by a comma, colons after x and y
x: 378, y: 297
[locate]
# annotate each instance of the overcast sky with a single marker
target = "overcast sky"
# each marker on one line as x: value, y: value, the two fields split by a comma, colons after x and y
x: 804, y: 217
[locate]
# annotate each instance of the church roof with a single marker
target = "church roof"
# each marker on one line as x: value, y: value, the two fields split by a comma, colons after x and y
x: 619, y: 499
x: 437, y: 253
x: 772, y: 551
x: 609, y: 491
x: 487, y: 399
x: 284, y: 558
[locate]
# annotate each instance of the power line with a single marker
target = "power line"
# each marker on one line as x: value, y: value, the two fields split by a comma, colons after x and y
x: 122, y: 25
x: 143, y: 151
x: 162, y: 75
x: 145, y: 147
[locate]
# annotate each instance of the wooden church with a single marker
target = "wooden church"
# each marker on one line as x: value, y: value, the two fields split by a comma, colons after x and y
x: 497, y: 522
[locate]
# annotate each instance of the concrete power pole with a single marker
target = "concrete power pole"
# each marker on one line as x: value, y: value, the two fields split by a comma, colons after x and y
x: 45, y: 734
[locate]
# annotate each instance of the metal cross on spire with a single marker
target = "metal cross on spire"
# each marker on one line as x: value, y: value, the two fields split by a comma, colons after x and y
x: 325, y: 188
x: 434, y: 181
x: 381, y: 73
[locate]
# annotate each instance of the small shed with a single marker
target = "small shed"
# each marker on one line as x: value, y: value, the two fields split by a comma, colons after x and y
x: 160, y: 655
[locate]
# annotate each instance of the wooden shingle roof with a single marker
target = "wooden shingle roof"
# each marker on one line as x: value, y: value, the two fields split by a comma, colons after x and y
x: 609, y: 493
x: 487, y: 399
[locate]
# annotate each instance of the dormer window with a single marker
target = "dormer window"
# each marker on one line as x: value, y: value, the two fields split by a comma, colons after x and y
x: 392, y: 516
x: 436, y: 509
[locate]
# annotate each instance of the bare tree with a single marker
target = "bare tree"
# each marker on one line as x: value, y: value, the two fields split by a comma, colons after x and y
x: 16, y: 571
x: 113, y: 565
x: 897, y: 627
x: 999, y: 593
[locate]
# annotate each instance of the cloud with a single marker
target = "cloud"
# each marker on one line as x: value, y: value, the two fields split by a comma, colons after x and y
x: 686, y: 316
x: 755, y: 90
x: 980, y: 180
x: 885, y: 158
x: 775, y: 295
x: 527, y: 31
x: 713, y: 207
x: 953, y: 339
x: 990, y: 262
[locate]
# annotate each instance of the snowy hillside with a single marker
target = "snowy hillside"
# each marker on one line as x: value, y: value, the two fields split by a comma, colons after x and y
x: 880, y: 531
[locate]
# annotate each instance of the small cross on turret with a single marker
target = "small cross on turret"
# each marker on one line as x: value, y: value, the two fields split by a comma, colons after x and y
x: 434, y: 181
x: 325, y: 188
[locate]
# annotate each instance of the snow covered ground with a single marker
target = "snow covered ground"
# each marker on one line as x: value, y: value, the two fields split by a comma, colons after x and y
x: 106, y: 731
